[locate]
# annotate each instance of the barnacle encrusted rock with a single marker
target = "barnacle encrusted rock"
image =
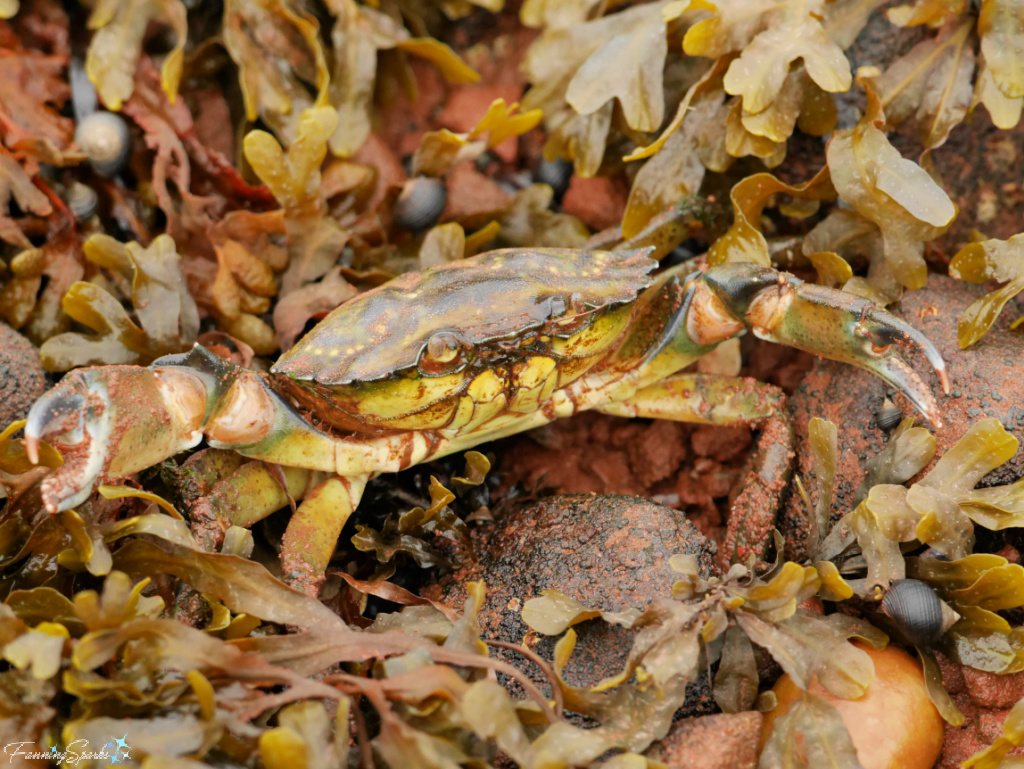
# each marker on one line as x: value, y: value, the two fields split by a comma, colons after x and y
x: 985, y: 382
x: 22, y: 378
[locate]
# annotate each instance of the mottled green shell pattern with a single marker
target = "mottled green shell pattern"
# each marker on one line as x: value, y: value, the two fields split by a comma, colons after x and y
x: 494, y: 296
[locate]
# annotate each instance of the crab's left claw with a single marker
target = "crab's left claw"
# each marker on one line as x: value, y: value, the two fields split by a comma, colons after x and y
x: 782, y: 308
x: 110, y: 422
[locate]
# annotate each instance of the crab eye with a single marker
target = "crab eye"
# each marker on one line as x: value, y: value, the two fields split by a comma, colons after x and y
x: 557, y: 306
x: 443, y: 347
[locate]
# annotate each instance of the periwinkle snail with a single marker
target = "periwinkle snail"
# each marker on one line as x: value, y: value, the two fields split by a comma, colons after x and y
x: 82, y: 200
x: 105, y: 138
x: 918, y: 612
x: 421, y: 203
x: 555, y: 173
x: 889, y: 415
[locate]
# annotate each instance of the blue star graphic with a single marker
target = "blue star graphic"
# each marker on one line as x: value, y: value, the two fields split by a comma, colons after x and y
x: 122, y: 743
x: 109, y: 745
x: 114, y: 759
x: 53, y: 749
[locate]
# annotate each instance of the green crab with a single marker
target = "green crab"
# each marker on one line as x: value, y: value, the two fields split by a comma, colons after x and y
x: 442, y: 361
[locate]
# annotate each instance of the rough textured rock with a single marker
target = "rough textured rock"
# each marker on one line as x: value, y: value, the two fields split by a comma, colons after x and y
x: 994, y: 691
x: 22, y: 378
x: 980, y: 729
x: 609, y: 552
x: 985, y: 382
x: 466, y: 106
x: 981, y: 725
x: 598, y: 202
x: 609, y: 455
x: 711, y: 742
x: 472, y: 196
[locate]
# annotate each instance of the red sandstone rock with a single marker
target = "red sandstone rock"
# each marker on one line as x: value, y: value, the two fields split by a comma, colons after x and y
x: 466, y: 106
x: 952, y: 674
x: 376, y: 152
x: 994, y: 691
x: 720, y: 443
x: 980, y: 728
x: 599, y: 203
x: 711, y: 742
x: 472, y: 197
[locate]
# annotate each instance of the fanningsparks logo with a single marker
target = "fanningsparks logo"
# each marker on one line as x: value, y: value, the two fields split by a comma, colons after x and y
x: 115, y: 751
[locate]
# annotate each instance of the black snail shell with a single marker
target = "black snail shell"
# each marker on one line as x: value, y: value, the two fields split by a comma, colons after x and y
x: 556, y: 173
x: 888, y: 416
x: 918, y: 612
x: 105, y: 138
x: 421, y: 203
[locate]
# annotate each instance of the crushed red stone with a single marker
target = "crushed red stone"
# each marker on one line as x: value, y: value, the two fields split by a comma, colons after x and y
x: 990, y: 690
x: 212, y: 113
x: 466, y: 106
x: 980, y: 728
x: 376, y: 152
x: 598, y: 202
x: 982, y: 725
x: 472, y: 197
x: 711, y: 742
x: 405, y: 120
x: 608, y: 455
x: 720, y: 443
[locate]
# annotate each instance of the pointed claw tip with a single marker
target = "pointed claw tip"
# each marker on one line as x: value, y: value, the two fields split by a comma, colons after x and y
x: 32, y: 447
x: 933, y: 414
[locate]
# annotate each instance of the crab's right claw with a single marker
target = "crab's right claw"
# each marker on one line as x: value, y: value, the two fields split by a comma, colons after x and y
x: 837, y: 325
x: 888, y: 334
x: 833, y: 324
x: 110, y: 422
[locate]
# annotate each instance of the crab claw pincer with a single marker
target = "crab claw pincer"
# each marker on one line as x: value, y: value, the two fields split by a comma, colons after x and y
x: 782, y: 308
x: 110, y: 422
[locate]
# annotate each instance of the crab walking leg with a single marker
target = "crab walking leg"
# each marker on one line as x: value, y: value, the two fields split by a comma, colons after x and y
x: 246, y: 495
x: 702, y: 398
x: 314, y: 529
x: 724, y: 400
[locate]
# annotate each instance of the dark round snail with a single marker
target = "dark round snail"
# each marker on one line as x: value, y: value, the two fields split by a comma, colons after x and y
x: 105, y: 138
x: 555, y: 173
x: 888, y: 416
x: 918, y: 612
x: 421, y: 203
